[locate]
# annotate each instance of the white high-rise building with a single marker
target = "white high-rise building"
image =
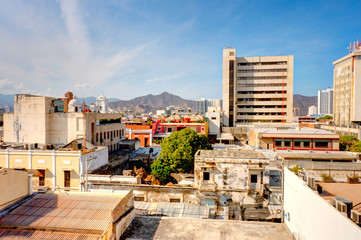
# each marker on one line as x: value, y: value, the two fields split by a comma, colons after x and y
x: 325, y: 102
x: 312, y: 110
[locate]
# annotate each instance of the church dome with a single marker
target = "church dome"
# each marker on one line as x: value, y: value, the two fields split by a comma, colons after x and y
x: 75, y: 102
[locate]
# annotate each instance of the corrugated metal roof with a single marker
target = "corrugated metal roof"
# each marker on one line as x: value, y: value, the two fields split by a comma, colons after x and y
x: 63, y: 211
x: 38, y: 234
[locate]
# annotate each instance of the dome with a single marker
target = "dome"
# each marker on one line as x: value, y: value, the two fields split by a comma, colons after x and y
x: 197, y: 118
x: 74, y: 102
x: 101, y: 97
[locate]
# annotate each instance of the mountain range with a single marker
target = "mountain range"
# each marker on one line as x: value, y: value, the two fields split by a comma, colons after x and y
x: 151, y: 103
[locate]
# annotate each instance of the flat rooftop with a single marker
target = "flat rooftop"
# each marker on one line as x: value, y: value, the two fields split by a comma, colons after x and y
x: 232, y: 154
x: 331, y: 155
x: 347, y: 190
x: 296, y: 132
x: 188, y: 228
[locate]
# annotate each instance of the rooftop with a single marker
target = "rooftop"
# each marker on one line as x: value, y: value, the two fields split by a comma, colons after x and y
x: 188, y: 228
x: 293, y: 131
x: 231, y: 153
x: 332, y: 155
x: 82, y: 214
x: 347, y: 190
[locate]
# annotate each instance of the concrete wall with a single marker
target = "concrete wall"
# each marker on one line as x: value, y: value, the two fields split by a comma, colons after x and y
x: 14, y: 184
x: 310, y: 217
x: 95, y: 159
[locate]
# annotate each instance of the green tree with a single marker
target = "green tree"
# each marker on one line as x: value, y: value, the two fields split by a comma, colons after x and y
x: 149, y: 121
x: 346, y: 142
x: 177, y: 154
x: 356, y: 147
x: 326, y: 117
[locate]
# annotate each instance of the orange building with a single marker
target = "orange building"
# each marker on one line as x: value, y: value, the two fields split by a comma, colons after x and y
x: 141, y: 132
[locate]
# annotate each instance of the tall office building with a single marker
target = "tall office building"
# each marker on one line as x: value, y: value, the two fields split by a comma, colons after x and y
x: 257, y: 89
x: 325, y: 102
x: 208, y: 105
x: 347, y: 88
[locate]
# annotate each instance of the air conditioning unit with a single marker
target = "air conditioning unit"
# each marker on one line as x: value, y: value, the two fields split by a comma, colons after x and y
x: 340, y: 206
x: 356, y: 216
x: 311, y: 182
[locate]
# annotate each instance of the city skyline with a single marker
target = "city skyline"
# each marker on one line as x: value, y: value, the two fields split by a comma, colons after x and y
x: 132, y: 48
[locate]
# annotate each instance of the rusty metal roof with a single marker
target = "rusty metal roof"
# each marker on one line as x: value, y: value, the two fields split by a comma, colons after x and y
x: 39, y: 234
x: 67, y: 211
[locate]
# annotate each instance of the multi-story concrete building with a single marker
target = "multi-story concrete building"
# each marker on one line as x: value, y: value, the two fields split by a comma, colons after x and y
x: 257, y: 89
x: 35, y: 120
x: 312, y: 110
x: 208, y: 105
x: 347, y: 88
x: 325, y: 102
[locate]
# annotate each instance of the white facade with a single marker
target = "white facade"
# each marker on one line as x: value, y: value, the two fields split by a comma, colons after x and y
x: 312, y: 110
x: 325, y: 102
x: 309, y: 217
x: 102, y: 104
x: 214, y: 123
x: 257, y: 89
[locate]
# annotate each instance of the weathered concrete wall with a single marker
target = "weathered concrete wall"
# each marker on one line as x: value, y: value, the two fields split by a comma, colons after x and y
x: 310, y: 217
x: 14, y: 184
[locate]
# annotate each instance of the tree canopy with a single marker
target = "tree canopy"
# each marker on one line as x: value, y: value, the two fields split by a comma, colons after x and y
x: 346, y: 142
x: 177, y: 154
x: 326, y: 117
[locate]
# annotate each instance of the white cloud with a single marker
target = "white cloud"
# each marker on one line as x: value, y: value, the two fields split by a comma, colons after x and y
x: 9, y: 87
x: 82, y: 85
x: 166, y: 78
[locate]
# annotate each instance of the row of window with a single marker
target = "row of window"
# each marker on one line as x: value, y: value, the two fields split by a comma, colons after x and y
x: 262, y: 106
x: 263, y: 85
x: 302, y: 143
x: 261, y: 70
x: 67, y: 178
x: 100, y: 137
x: 261, y: 113
x: 259, y: 99
x: 262, y: 78
x: 261, y: 63
x: 262, y: 92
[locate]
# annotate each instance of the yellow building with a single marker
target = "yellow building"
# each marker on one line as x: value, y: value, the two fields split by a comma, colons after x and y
x: 54, y: 169
x: 347, y: 87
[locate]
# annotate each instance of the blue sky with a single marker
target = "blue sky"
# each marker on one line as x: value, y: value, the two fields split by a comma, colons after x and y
x: 131, y: 48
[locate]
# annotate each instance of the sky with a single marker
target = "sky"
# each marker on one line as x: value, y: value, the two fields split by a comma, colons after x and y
x: 127, y: 49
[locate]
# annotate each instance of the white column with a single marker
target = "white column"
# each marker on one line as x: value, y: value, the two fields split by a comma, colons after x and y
x: 30, y: 163
x: 130, y: 133
x: 81, y: 170
x: 54, y: 170
x: 150, y: 137
x: 7, y: 159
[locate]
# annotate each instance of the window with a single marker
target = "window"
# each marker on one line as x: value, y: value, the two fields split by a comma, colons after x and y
x: 287, y: 143
x: 66, y: 178
x: 306, y: 144
x: 321, y: 144
x: 253, y: 178
x: 206, y: 176
x: 278, y: 143
x: 170, y: 129
x: 297, y: 144
x: 231, y: 53
x: 41, y: 178
x: 97, y: 137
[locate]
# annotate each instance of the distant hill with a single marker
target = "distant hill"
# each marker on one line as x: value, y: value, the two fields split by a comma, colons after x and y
x: 151, y: 103
x: 303, y: 102
x: 89, y: 100
x: 7, y: 99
